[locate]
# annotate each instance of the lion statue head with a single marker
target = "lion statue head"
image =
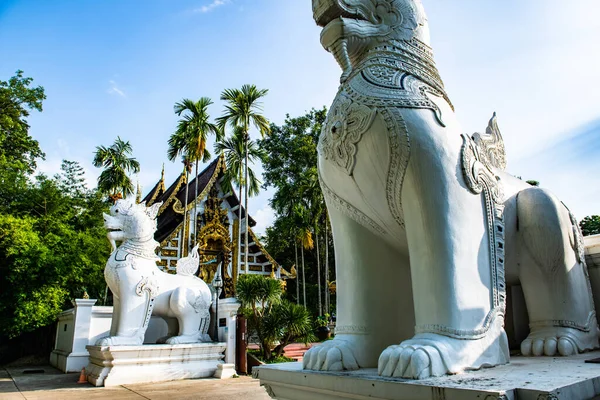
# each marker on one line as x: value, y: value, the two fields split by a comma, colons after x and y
x: 350, y: 27
x: 130, y: 221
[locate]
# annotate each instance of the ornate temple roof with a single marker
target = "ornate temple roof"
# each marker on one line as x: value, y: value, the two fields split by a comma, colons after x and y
x: 157, y: 190
x: 170, y: 215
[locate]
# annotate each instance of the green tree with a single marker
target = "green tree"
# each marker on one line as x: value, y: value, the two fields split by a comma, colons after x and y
x: 52, y: 239
x: 315, y: 203
x: 275, y: 322
x: 590, y: 225
x: 18, y: 150
x: 50, y: 251
x: 291, y: 169
x: 117, y: 163
x: 192, y: 133
x: 244, y: 109
x: 72, y: 179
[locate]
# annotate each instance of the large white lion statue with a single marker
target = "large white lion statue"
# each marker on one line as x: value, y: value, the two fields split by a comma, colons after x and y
x: 140, y: 289
x: 428, y: 228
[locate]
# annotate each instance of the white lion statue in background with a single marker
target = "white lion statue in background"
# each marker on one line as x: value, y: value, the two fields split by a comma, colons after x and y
x: 429, y: 229
x: 140, y: 289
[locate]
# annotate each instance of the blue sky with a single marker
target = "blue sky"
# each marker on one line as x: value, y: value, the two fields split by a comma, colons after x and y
x: 115, y: 68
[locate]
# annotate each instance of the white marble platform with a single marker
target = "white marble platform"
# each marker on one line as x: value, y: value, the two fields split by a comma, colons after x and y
x: 119, y: 365
x: 543, y: 378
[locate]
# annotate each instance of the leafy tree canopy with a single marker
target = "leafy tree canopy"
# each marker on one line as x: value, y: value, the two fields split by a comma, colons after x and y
x: 52, y: 240
x: 53, y: 248
x: 18, y: 150
x: 590, y: 225
x: 291, y: 168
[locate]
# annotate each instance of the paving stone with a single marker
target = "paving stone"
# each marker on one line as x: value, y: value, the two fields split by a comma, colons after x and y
x: 54, y: 385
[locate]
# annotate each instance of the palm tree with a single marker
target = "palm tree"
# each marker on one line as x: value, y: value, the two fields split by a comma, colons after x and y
x: 306, y: 240
x: 286, y: 203
x: 195, y: 128
x: 177, y: 146
x: 313, y: 196
x: 243, y: 109
x: 113, y: 179
x: 275, y: 321
x: 233, y: 150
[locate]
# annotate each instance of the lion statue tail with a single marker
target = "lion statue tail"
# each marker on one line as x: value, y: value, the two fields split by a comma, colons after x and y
x: 187, y: 266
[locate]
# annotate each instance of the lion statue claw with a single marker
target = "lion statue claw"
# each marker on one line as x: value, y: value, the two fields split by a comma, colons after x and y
x: 140, y: 289
x: 429, y: 229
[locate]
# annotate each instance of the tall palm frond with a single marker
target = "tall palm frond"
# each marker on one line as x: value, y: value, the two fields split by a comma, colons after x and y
x: 190, y: 138
x: 117, y: 164
x: 242, y: 110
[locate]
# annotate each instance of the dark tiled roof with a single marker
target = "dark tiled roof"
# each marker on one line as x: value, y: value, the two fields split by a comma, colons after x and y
x: 203, y: 178
x: 168, y: 219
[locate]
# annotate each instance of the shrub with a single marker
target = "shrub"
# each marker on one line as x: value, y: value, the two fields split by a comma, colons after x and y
x: 276, y: 322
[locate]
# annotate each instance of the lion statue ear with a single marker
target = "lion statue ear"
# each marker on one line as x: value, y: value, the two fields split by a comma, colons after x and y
x: 152, y: 211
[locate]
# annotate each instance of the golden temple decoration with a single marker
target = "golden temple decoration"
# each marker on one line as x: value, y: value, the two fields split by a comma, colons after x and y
x: 177, y: 206
x: 160, y: 189
x: 173, y: 195
x: 332, y: 287
x: 138, y: 193
x: 214, y: 240
x: 220, y: 166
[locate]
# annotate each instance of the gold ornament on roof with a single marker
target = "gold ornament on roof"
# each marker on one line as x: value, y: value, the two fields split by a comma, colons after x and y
x: 214, y: 239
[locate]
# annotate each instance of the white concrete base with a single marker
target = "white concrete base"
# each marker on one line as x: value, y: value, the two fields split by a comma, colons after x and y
x: 68, y: 362
x: 225, y: 371
x: 119, y: 365
x: 525, y: 378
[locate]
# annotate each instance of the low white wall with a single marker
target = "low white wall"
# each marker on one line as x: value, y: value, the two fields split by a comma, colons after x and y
x: 592, y: 250
x: 85, y: 323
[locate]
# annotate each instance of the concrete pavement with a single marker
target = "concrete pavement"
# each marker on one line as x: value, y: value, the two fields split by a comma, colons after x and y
x: 16, y: 384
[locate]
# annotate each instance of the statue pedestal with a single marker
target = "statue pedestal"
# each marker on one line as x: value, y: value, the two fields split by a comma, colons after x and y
x: 525, y: 378
x: 119, y: 365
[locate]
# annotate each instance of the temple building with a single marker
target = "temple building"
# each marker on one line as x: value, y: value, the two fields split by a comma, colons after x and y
x: 215, y: 230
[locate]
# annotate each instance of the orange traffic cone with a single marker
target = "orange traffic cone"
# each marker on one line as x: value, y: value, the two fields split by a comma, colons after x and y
x: 82, y: 377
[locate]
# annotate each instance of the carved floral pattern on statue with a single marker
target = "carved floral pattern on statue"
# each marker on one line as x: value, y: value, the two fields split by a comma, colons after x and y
x: 147, y: 284
x: 346, y: 123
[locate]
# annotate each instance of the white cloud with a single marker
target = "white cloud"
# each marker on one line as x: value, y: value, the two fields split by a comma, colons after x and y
x: 212, y: 6
x: 114, y: 89
x: 264, y: 218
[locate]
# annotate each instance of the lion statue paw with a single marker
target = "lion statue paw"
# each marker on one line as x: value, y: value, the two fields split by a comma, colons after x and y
x: 333, y: 355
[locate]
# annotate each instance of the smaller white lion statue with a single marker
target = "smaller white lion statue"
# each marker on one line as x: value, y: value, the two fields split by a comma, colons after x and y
x: 140, y: 289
